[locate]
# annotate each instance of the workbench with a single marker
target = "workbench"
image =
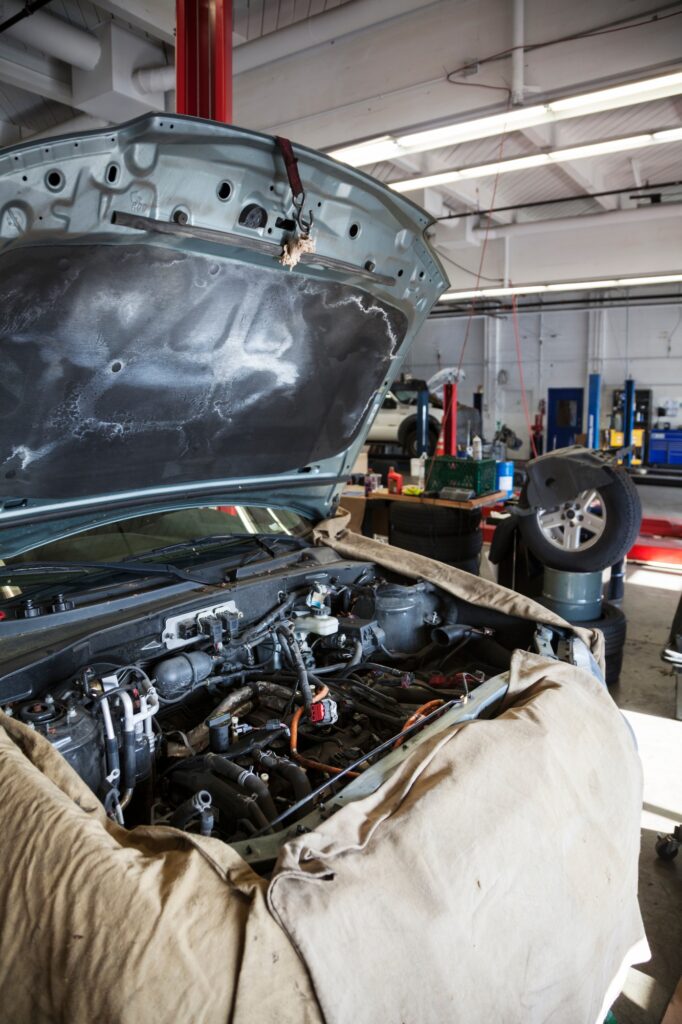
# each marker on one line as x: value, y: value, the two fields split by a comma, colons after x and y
x: 369, y: 517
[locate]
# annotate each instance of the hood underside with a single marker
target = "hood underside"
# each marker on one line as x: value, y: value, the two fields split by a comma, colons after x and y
x: 155, y: 349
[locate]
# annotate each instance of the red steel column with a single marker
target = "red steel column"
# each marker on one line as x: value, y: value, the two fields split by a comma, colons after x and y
x: 203, y: 58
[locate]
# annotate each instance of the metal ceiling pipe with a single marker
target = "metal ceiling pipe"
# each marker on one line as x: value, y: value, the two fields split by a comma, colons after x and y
x: 297, y: 38
x: 518, y: 54
x: 53, y: 36
x: 654, y: 211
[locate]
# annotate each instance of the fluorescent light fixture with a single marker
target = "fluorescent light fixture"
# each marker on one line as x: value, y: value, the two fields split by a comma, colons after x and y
x: 467, y: 131
x: 601, y: 148
x: 557, y: 156
x: 388, y: 147
x: 562, y: 286
x: 372, y: 152
x: 670, y: 135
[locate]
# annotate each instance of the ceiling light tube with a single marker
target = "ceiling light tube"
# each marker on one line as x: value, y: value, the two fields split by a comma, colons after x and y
x: 669, y: 135
x: 600, y: 148
x: 387, y: 147
x: 557, y: 156
x: 563, y: 286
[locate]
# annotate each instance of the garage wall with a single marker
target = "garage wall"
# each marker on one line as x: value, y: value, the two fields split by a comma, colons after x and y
x: 559, y: 349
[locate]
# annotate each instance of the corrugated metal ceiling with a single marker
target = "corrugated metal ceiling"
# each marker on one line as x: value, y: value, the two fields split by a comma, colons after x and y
x: 254, y: 18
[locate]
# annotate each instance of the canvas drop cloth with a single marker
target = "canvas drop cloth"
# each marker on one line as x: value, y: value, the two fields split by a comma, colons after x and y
x: 492, y: 878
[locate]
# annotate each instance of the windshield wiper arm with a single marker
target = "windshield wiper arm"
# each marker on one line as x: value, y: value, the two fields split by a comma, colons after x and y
x: 134, y: 568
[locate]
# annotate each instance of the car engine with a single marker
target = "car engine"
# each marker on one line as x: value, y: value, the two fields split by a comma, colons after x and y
x: 240, y: 729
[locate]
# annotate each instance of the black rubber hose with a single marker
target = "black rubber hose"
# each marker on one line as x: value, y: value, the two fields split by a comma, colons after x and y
x: 129, y: 760
x: 449, y: 633
x: 263, y: 688
x: 290, y: 772
x: 112, y: 756
x: 244, y: 779
x: 229, y: 801
x: 290, y: 644
x: 264, y: 624
x: 190, y: 808
x: 355, y: 660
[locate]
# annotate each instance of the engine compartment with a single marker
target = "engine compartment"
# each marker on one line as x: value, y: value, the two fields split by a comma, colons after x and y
x: 250, y: 729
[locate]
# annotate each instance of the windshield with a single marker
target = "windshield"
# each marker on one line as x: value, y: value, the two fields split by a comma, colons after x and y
x: 136, y: 537
x: 183, y: 537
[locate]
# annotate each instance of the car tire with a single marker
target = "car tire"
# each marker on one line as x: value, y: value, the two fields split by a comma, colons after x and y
x: 449, y: 549
x: 613, y: 625
x: 623, y: 510
x: 410, y: 446
x: 433, y: 521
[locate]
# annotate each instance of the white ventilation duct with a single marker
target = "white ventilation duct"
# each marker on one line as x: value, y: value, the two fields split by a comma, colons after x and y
x: 53, y: 36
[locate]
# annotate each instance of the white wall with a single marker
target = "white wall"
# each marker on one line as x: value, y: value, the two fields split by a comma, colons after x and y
x: 559, y: 349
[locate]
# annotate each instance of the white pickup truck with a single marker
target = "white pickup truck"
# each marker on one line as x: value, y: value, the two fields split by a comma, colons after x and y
x: 396, y: 422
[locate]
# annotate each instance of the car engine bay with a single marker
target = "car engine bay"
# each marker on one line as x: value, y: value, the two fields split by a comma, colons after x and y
x: 253, y: 729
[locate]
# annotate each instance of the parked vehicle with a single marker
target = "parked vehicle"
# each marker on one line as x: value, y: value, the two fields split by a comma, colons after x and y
x: 396, y: 423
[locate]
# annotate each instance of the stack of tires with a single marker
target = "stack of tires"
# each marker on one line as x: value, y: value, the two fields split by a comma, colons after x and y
x: 614, y: 514
x: 449, y: 535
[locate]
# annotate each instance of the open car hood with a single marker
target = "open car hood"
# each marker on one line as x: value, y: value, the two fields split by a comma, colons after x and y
x: 155, y: 351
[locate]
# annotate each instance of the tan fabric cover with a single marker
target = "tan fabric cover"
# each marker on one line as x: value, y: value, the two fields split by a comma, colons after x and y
x: 492, y: 878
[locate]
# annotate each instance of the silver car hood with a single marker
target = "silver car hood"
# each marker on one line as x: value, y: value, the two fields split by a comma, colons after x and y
x: 156, y: 352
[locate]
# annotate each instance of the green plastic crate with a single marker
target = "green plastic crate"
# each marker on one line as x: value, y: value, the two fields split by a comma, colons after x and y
x: 475, y: 475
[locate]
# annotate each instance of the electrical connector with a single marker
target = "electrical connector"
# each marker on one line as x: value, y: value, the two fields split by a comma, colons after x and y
x: 324, y: 712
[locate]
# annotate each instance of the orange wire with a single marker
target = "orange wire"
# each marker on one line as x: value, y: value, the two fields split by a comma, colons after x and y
x: 293, y: 742
x: 421, y: 712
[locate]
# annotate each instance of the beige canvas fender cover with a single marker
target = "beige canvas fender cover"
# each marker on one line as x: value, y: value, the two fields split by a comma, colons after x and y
x: 492, y: 877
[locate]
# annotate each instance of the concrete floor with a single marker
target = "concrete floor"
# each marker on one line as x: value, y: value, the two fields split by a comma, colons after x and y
x: 661, y: 502
x: 646, y: 694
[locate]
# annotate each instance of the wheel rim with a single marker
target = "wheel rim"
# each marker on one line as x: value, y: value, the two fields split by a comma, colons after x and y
x: 576, y: 525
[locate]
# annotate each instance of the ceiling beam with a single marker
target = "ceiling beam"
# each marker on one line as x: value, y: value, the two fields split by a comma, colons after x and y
x: 603, y: 221
x: 586, y: 179
x: 474, y: 195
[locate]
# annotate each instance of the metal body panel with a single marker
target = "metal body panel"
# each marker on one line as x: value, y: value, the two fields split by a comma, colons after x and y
x: 191, y: 368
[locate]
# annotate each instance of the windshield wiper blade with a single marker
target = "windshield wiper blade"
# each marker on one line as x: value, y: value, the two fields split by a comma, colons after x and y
x: 184, y: 545
x: 134, y: 568
x: 265, y: 541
